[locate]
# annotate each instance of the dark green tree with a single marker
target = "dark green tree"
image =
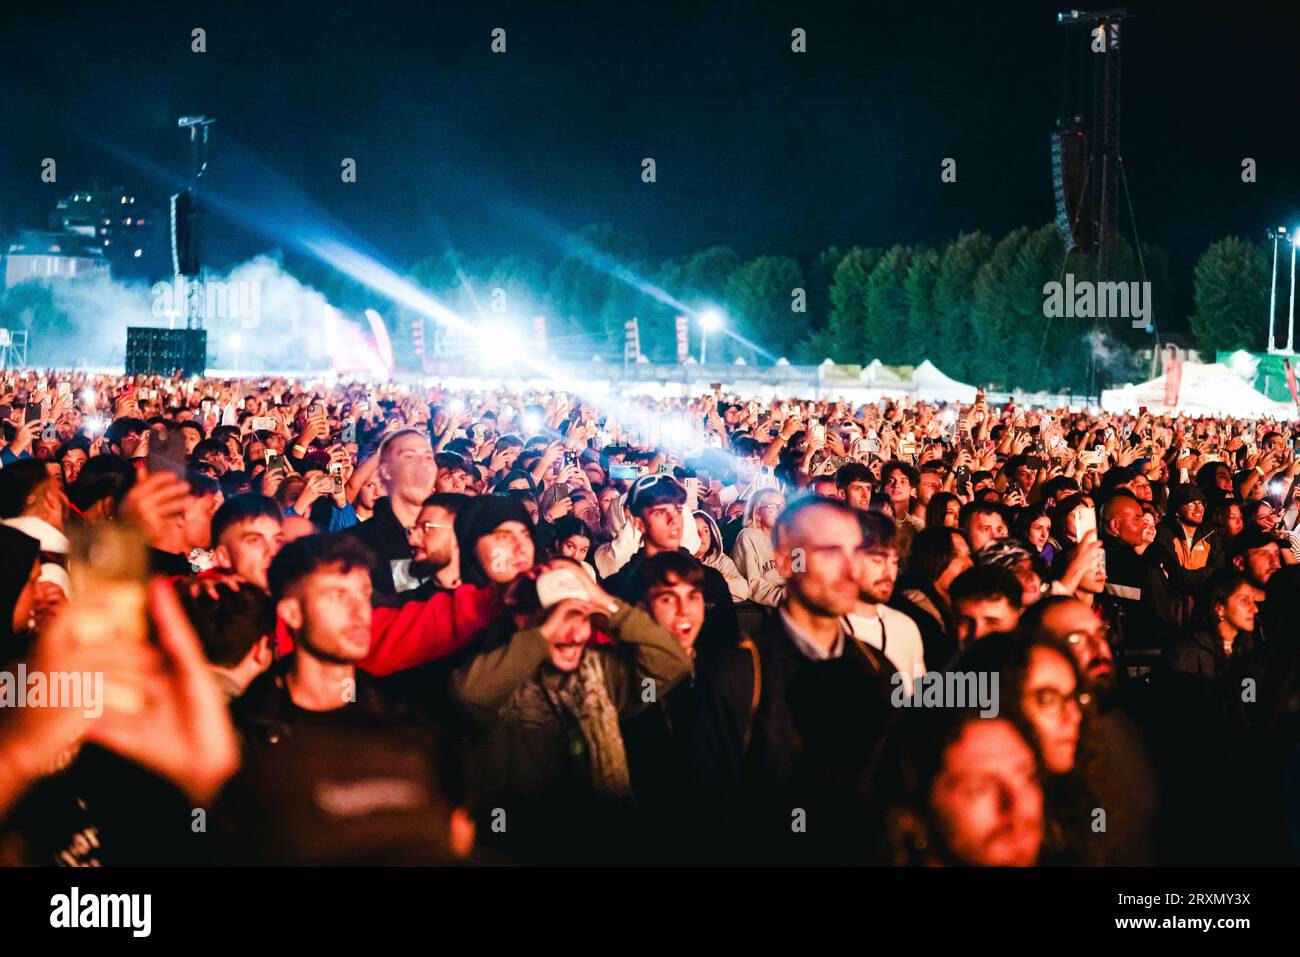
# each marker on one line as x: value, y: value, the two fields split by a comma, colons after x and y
x: 1230, y: 292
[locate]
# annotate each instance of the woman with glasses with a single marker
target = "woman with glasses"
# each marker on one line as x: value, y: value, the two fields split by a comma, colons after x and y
x: 753, y: 552
x: 1042, y: 691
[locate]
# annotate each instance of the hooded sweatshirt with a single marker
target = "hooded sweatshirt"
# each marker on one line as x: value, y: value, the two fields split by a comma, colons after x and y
x: 614, y: 554
x: 482, y: 516
x: 715, y: 558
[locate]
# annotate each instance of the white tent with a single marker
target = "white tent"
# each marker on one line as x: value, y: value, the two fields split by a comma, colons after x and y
x: 932, y: 385
x: 877, y: 374
x: 1206, y: 389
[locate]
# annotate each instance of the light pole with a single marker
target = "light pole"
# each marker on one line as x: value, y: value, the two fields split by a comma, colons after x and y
x: 710, y: 320
x: 1272, y: 297
x: 1290, y: 321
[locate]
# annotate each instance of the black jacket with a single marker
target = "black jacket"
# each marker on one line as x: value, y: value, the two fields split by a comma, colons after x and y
x: 811, y: 740
x: 1139, y: 588
x: 721, y: 629
x: 384, y: 535
x: 365, y: 783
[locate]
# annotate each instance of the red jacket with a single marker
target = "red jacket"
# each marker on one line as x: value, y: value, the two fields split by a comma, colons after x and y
x: 422, y: 631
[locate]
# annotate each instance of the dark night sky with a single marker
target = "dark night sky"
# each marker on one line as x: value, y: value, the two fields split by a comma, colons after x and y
x: 756, y: 147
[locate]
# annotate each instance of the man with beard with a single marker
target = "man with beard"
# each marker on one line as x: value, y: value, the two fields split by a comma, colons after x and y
x: 1125, y: 783
x: 1189, y: 546
x: 799, y: 714
x: 1256, y: 554
x: 889, y: 631
x: 319, y: 733
x: 435, y: 565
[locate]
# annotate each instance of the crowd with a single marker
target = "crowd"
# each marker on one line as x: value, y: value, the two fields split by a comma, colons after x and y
x: 324, y: 622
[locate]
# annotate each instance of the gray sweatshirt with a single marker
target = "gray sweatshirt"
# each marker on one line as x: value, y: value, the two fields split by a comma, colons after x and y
x: 756, y: 561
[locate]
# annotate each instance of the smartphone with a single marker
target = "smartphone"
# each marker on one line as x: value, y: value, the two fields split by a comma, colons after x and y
x: 274, y: 460
x: 706, y: 480
x: 336, y: 473
x: 263, y: 423
x: 166, y: 452
x: 33, y: 412
x: 109, y: 571
x: 819, y: 433
x: 1085, y: 521
x: 624, y: 472
x: 6, y: 411
x: 65, y: 388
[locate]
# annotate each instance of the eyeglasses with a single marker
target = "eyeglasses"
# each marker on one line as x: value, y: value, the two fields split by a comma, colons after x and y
x: 1052, y: 702
x: 1098, y: 637
x: 425, y: 526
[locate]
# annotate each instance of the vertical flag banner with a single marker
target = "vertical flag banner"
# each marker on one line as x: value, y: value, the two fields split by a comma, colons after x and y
x: 1290, y: 381
x: 539, y: 335
x: 683, y: 339
x: 631, y: 341
x: 1173, y: 377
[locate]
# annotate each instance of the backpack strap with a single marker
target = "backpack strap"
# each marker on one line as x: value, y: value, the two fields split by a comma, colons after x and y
x: 748, y: 644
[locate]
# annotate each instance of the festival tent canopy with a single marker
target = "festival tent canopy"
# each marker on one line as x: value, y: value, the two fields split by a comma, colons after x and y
x: 930, y: 384
x: 1206, y: 389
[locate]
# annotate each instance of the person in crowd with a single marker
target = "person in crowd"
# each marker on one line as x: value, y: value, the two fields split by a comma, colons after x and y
x: 753, y: 553
x: 944, y: 509
x: 966, y: 791
x: 1191, y: 549
x: 854, y: 483
x: 315, y: 719
x: 1042, y: 690
x: 407, y: 470
x: 549, y: 702
x: 891, y: 632
x: 236, y: 629
x: 656, y: 504
x: 939, y: 555
x: 898, y: 480
x: 986, y: 600
x: 1137, y: 583
x: 495, y: 540
x: 1210, y: 725
x: 33, y: 501
x: 435, y: 561
x: 982, y: 522
x: 1029, y: 569
x: 247, y: 532
x: 1125, y: 779
x: 1033, y: 527
x: 799, y: 712
x: 711, y: 554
